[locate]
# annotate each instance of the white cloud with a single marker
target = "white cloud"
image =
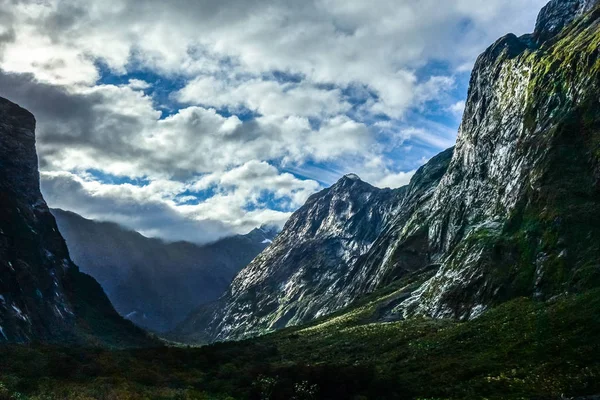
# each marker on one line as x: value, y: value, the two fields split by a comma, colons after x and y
x: 265, y: 97
x: 376, y: 43
x: 457, y: 108
x: 319, y: 73
x: 155, y: 209
x: 138, y: 84
x: 396, y: 180
x: 426, y: 136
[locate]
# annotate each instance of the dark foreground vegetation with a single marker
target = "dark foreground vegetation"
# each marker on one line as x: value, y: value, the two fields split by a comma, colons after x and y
x: 520, y: 350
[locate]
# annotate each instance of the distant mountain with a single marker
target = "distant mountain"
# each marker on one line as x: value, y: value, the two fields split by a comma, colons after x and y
x: 513, y: 211
x: 153, y: 283
x: 309, y: 270
x: 43, y: 296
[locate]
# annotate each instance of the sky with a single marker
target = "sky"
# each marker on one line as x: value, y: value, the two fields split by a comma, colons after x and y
x: 198, y: 119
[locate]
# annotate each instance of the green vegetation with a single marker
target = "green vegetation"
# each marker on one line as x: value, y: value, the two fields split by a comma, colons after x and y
x: 520, y: 350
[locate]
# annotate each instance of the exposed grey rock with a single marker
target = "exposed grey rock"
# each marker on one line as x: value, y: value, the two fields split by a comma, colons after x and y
x: 520, y: 195
x: 302, y: 275
x: 559, y: 13
x: 311, y: 269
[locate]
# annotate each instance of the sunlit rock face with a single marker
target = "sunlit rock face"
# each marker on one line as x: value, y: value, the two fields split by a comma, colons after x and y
x: 312, y: 267
x: 43, y: 296
x: 518, y: 212
x: 559, y: 13
x: 302, y: 275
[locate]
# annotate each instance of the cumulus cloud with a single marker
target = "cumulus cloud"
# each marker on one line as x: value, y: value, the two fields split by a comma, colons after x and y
x: 378, y: 43
x: 210, y: 102
x: 458, y: 108
x: 138, y: 84
x: 395, y: 180
x: 156, y: 208
x: 265, y: 97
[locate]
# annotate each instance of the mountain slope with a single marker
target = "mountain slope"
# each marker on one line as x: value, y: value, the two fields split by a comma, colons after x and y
x: 309, y: 270
x: 43, y: 296
x: 502, y: 355
x: 516, y: 212
x: 153, y: 283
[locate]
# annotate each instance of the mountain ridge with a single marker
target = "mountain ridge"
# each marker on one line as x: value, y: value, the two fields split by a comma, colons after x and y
x: 151, y: 282
x: 309, y: 270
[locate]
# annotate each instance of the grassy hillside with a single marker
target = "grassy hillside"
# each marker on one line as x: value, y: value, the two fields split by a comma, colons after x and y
x: 521, y: 350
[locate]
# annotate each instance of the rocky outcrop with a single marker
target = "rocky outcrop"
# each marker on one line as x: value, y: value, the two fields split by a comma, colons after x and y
x: 43, y: 296
x: 557, y: 14
x: 302, y: 275
x: 153, y: 283
x: 403, y: 245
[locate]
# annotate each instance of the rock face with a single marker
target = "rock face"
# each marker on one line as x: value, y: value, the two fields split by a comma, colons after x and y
x: 150, y: 282
x: 516, y: 212
x: 43, y: 296
x: 557, y: 14
x: 310, y: 269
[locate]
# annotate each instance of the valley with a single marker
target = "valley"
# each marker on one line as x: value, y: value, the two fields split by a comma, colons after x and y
x: 479, y: 279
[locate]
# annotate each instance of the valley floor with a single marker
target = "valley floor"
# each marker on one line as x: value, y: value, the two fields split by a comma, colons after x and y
x: 520, y: 350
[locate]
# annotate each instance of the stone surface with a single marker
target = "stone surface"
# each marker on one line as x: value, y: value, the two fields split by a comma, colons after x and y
x: 559, y: 13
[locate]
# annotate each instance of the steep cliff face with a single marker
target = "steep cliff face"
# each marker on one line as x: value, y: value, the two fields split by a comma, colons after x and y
x: 301, y: 275
x: 403, y: 245
x: 43, y: 296
x: 518, y: 212
x: 310, y: 270
x: 150, y: 282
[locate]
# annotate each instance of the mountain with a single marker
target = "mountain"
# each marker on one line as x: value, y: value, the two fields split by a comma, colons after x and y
x: 153, y: 283
x: 43, y: 295
x: 513, y: 211
x: 309, y: 270
x: 518, y: 212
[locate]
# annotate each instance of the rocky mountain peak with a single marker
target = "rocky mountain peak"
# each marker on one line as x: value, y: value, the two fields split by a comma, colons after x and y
x: 559, y: 13
x: 263, y: 234
x: 352, y: 183
x: 312, y: 267
x: 352, y: 177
